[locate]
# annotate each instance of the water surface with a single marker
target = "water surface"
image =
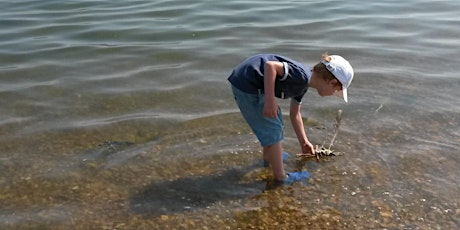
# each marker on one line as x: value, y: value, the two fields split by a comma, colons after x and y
x: 118, y: 115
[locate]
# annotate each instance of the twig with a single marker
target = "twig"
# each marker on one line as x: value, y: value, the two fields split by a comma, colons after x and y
x: 338, y: 120
x: 378, y: 109
x: 321, y: 151
x: 304, y: 155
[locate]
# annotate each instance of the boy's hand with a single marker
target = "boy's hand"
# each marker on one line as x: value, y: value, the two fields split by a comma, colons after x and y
x: 271, y: 109
x: 308, y: 148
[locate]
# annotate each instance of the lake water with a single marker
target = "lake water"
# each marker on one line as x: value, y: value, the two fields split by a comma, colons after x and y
x: 118, y: 115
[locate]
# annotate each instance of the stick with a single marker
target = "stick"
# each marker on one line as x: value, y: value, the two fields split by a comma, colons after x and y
x: 338, y: 120
x: 378, y: 109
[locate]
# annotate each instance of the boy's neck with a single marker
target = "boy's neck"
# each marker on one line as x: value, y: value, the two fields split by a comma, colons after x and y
x: 314, y: 81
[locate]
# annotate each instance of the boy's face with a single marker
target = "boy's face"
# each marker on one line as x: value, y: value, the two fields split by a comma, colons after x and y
x: 329, y: 88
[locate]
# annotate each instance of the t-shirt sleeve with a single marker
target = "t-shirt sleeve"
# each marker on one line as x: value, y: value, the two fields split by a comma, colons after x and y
x: 296, y: 77
x: 286, y: 71
x: 298, y: 99
x: 294, y: 72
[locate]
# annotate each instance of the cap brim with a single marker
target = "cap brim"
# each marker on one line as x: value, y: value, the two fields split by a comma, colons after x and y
x: 345, y: 94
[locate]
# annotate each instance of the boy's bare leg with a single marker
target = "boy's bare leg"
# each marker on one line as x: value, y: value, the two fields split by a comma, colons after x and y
x: 273, y: 154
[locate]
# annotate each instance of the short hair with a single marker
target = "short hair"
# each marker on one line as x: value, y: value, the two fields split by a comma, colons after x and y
x: 321, y: 69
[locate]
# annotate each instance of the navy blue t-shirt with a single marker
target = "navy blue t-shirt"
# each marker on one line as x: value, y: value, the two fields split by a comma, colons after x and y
x: 248, y: 76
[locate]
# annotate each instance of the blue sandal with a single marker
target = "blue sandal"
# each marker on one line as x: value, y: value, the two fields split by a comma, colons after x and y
x: 296, y: 176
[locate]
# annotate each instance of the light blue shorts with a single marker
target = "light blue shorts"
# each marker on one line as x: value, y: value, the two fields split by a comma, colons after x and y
x: 269, y: 131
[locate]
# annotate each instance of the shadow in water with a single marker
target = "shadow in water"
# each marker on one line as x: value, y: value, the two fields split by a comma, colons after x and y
x: 190, y: 193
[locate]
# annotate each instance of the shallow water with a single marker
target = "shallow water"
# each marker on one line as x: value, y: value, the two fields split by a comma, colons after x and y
x: 118, y: 115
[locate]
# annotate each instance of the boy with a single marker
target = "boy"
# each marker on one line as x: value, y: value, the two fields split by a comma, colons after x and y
x: 257, y: 80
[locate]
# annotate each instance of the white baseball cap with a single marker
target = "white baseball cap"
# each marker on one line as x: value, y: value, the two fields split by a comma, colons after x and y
x: 342, y: 70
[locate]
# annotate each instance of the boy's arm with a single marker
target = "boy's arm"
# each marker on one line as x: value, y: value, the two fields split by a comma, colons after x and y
x: 297, y: 124
x: 271, y: 70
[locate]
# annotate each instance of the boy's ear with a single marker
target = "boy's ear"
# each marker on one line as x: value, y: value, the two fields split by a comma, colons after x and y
x: 334, y: 81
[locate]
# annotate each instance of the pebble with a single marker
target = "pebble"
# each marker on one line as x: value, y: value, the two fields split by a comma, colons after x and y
x: 386, y: 214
